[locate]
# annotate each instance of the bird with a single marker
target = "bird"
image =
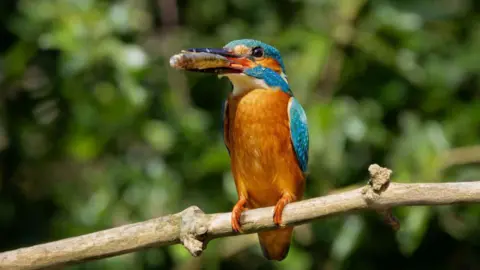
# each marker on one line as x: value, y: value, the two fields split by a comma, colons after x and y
x: 265, y: 131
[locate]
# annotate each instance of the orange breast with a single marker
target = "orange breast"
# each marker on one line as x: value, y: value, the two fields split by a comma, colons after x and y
x: 264, y: 164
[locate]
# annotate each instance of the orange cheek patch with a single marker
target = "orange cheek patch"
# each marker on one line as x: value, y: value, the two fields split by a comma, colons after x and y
x: 270, y: 63
x: 241, y: 62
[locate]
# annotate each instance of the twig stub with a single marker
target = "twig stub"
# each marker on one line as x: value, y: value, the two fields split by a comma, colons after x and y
x: 389, y: 218
x: 379, y: 180
x: 378, y: 183
x: 193, y: 230
x: 379, y: 177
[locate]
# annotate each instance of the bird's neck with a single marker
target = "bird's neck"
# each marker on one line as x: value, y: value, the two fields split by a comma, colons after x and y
x: 243, y: 83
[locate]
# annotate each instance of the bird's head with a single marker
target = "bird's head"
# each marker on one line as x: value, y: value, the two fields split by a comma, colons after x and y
x: 248, y: 63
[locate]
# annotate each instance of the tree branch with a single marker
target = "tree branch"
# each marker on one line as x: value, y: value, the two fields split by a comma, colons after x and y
x: 194, y: 229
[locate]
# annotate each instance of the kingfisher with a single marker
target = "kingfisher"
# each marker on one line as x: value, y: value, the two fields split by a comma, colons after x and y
x: 265, y: 131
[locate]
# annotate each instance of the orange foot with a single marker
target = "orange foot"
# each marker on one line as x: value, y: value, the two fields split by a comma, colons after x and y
x: 237, y: 212
x: 277, y: 213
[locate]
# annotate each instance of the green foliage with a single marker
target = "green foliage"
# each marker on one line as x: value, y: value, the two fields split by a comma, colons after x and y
x: 96, y: 130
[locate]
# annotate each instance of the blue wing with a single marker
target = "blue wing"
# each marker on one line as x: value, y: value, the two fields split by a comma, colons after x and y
x: 299, y: 132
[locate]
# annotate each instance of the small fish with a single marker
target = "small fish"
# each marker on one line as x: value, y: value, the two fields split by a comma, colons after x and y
x: 198, y: 61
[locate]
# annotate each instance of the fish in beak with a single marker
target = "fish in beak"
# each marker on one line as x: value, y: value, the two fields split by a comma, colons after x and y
x: 211, y: 60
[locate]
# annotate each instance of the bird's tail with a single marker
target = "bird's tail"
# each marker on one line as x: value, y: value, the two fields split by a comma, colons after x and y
x: 275, y: 244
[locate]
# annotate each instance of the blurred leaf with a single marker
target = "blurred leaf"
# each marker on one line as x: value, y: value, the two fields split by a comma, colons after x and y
x: 348, y: 238
x: 414, y: 225
x: 159, y: 135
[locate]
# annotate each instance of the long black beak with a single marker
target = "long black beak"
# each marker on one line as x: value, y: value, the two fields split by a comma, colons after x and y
x: 217, y: 51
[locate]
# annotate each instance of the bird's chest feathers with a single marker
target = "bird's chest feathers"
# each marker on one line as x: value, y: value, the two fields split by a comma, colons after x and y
x: 257, y: 115
x: 259, y: 130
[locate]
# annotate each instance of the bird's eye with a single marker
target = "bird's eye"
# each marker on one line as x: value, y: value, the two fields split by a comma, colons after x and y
x: 257, y: 52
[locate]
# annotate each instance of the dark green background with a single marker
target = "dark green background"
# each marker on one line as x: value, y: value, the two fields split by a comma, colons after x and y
x: 96, y: 130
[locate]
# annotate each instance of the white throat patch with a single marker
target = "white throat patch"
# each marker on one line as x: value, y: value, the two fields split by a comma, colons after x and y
x: 284, y: 77
x: 243, y: 83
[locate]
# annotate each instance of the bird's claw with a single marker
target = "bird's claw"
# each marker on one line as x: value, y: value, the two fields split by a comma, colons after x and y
x: 237, y: 213
x: 278, y: 211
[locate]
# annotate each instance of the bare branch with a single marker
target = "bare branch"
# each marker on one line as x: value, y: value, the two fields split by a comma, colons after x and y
x: 194, y: 229
x: 461, y: 156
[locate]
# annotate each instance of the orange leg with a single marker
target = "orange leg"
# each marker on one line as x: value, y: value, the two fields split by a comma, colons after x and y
x: 277, y: 213
x: 237, y: 212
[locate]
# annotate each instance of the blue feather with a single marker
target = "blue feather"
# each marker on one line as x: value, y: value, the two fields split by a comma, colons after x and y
x: 269, y: 50
x: 270, y: 77
x: 299, y: 132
